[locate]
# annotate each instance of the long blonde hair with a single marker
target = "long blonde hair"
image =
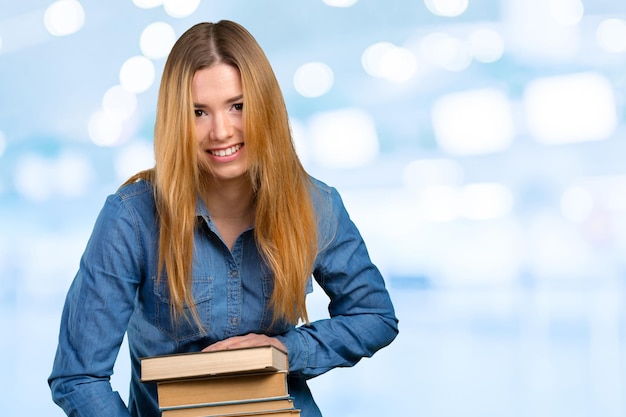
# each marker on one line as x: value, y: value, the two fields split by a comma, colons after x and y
x: 285, y: 225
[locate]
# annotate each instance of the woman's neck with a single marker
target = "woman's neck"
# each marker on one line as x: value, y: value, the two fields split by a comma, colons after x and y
x: 231, y: 206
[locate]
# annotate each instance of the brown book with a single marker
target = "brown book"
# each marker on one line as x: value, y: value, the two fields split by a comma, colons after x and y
x: 227, y: 409
x: 203, y: 391
x: 277, y: 413
x: 202, y: 364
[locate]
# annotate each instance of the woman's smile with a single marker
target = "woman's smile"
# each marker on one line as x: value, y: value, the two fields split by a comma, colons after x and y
x: 225, y: 152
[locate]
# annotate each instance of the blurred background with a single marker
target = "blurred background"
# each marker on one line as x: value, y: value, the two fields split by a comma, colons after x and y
x: 478, y: 144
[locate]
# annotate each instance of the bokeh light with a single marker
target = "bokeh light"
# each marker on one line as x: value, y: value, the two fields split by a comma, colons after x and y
x: 446, y: 51
x: 570, y: 108
x: 344, y: 138
x: 481, y: 201
x: 39, y: 178
x: 486, y: 45
x: 180, y: 8
x: 340, y: 3
x: 157, y: 40
x: 576, y: 203
x: 64, y: 17
x: 422, y: 173
x: 566, y: 12
x: 3, y: 143
x: 119, y: 103
x: 147, y: 4
x: 132, y: 158
x: 447, y: 8
x: 313, y: 79
x: 473, y: 122
x: 611, y: 35
x: 105, y: 129
x: 388, y: 61
x: 137, y: 74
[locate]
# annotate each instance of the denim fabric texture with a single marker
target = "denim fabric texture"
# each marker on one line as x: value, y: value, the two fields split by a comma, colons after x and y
x: 116, y: 292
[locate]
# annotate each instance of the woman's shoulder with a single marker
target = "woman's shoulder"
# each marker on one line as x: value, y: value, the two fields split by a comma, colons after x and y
x: 322, y: 192
x: 318, y: 186
x: 138, y: 194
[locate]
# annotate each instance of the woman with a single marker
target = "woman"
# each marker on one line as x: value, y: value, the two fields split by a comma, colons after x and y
x: 215, y: 246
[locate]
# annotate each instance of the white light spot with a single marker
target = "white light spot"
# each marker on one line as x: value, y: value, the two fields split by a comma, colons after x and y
x: 344, y: 138
x: 38, y: 178
x: 3, y: 143
x: 566, y: 12
x: 313, y: 79
x: 147, y: 4
x: 137, y: 74
x: 340, y: 3
x: 447, y: 8
x: 33, y: 178
x: 388, y: 61
x: 439, y: 203
x: 486, y: 45
x: 473, y: 122
x: 104, y: 129
x: 157, y: 40
x: 486, y: 201
x: 611, y: 35
x: 133, y: 158
x: 119, y: 103
x: 180, y: 8
x: 607, y: 191
x: 73, y: 174
x: 446, y: 51
x: 556, y: 250
x: 570, y: 108
x: 64, y: 17
x: 576, y: 203
x: 427, y: 172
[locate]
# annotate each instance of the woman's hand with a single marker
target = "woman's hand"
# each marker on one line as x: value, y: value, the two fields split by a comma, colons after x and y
x: 249, y: 340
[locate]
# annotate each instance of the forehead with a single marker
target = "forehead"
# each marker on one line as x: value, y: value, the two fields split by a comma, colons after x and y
x: 217, y: 82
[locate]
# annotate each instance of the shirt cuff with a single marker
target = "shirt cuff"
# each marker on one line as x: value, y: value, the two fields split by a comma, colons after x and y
x: 297, y: 349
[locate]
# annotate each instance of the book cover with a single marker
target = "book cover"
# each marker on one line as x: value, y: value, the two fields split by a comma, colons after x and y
x: 229, y: 409
x: 255, y: 386
x: 202, y: 364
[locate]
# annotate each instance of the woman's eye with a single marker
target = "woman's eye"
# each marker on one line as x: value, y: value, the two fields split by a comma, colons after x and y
x: 198, y: 113
x: 238, y: 106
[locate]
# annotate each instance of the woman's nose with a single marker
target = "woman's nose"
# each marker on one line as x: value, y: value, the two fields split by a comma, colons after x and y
x: 222, y: 127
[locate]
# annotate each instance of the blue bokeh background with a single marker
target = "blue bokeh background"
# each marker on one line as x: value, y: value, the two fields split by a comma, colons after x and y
x: 478, y: 144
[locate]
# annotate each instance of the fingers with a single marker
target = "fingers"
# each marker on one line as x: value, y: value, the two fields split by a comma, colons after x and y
x: 249, y: 340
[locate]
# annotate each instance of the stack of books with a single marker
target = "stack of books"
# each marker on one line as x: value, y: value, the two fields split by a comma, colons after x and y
x: 237, y: 382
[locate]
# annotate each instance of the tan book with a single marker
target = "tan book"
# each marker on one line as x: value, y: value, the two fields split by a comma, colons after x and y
x: 277, y: 413
x: 203, y: 391
x: 202, y: 364
x: 228, y: 409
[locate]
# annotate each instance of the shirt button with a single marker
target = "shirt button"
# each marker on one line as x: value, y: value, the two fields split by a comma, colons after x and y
x: 233, y: 273
x: 234, y: 320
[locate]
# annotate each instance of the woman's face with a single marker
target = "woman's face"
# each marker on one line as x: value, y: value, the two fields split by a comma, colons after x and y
x: 218, y: 107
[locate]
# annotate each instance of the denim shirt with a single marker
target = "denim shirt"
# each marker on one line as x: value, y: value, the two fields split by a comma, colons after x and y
x: 116, y: 292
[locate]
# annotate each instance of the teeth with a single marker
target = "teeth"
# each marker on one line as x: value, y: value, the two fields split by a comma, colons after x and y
x: 227, y: 151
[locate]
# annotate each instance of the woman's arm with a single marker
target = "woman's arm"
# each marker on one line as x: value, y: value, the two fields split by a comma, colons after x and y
x: 362, y: 315
x: 96, y: 313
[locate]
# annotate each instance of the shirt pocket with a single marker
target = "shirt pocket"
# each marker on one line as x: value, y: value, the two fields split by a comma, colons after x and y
x: 185, y: 327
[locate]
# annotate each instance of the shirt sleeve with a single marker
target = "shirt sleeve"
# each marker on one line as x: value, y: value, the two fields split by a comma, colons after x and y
x: 362, y: 318
x: 95, y: 316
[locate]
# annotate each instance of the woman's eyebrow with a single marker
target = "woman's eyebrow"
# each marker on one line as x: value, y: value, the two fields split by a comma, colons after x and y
x: 229, y: 101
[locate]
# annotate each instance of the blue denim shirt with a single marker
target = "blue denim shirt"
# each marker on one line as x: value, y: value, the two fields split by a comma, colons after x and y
x: 115, y: 292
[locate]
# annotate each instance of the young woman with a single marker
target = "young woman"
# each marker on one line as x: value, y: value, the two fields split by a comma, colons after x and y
x: 214, y: 247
